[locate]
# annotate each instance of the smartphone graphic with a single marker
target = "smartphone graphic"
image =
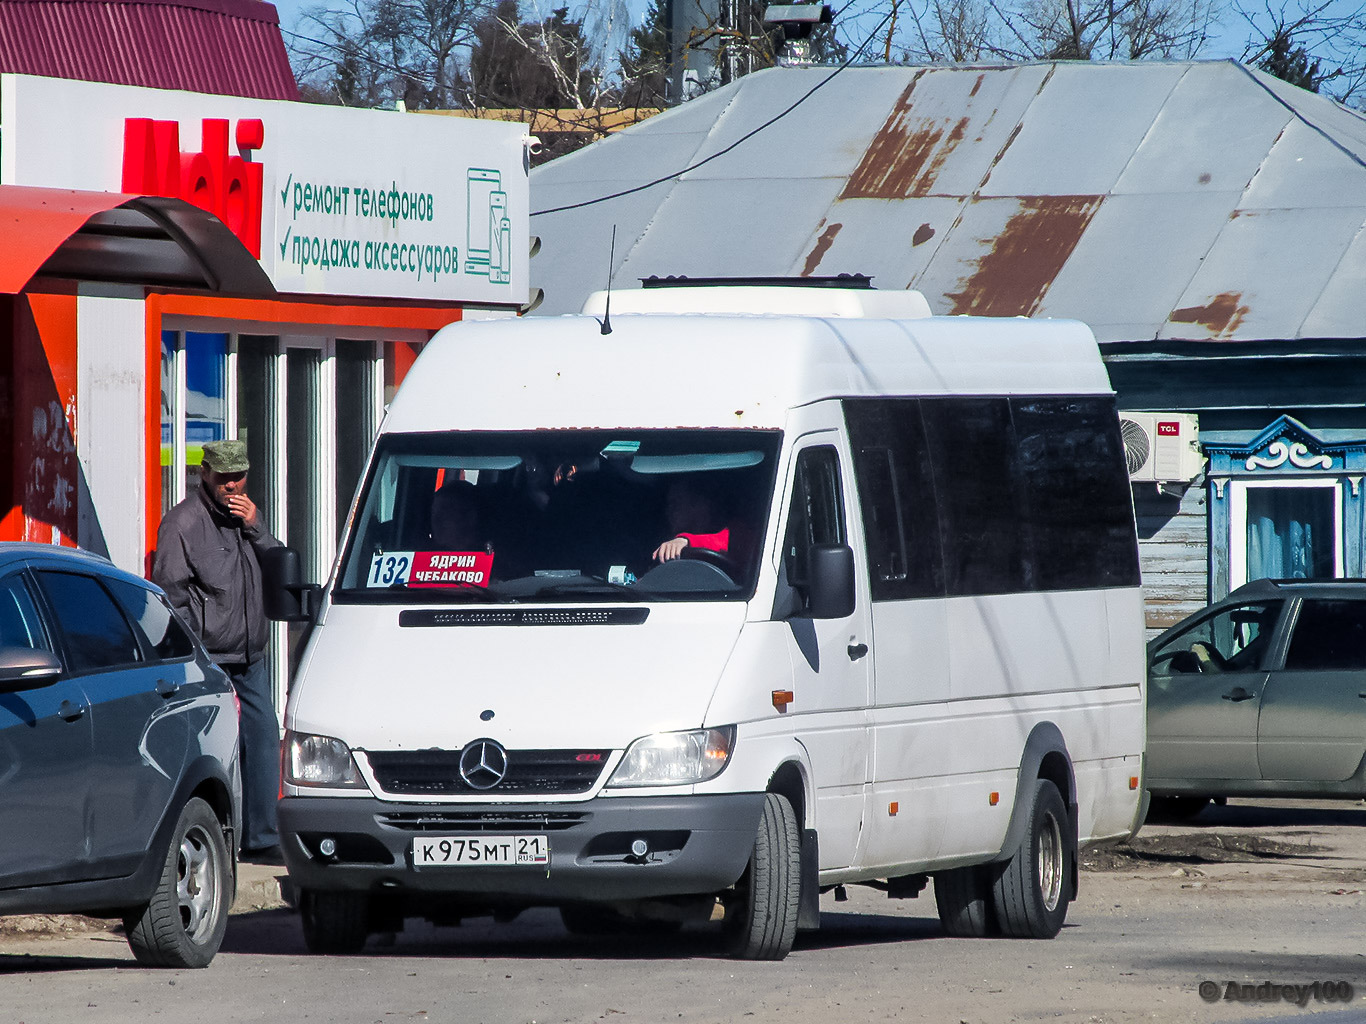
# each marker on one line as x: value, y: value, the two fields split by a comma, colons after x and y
x: 479, y: 235
x: 500, y: 259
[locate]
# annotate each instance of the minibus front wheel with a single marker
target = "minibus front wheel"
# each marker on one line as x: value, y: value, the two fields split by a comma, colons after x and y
x: 761, y: 911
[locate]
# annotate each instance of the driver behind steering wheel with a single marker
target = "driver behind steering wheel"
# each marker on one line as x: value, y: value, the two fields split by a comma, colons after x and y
x: 688, y: 508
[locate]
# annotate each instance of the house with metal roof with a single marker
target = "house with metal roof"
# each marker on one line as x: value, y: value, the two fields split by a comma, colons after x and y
x: 1207, y: 220
x: 230, y: 47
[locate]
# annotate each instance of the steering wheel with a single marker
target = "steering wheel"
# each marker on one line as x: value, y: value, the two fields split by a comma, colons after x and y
x: 715, y: 559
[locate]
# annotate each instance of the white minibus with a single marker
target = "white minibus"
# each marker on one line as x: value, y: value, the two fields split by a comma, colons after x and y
x: 694, y: 612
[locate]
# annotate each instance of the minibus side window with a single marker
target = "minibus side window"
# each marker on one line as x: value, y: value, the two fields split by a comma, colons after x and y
x: 817, y: 512
x: 873, y: 469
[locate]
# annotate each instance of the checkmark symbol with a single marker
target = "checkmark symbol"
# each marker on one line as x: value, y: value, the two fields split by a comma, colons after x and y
x: 284, y: 192
x: 288, y: 231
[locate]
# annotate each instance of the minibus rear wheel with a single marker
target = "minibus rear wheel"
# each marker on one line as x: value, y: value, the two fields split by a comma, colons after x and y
x: 334, y: 922
x: 1031, y: 890
x: 963, y: 899
x: 761, y: 912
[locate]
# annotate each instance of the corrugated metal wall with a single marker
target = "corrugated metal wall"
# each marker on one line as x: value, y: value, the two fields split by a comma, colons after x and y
x: 231, y: 47
x: 1173, y: 552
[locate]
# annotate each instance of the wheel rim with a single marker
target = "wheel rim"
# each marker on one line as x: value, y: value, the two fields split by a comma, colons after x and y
x: 1048, y: 856
x: 196, y: 883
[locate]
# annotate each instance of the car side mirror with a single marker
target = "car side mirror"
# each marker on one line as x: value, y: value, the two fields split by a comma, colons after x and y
x: 830, y: 581
x: 284, y: 594
x: 23, y: 668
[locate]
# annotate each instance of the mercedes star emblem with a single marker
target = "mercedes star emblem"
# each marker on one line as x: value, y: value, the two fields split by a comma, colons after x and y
x: 483, y: 764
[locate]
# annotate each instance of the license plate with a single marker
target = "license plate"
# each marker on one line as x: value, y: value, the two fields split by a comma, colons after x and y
x: 464, y: 851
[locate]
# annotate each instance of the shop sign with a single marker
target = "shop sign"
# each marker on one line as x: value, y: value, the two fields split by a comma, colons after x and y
x: 332, y: 201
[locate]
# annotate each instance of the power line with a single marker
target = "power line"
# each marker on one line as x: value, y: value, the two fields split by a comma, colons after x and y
x: 722, y: 152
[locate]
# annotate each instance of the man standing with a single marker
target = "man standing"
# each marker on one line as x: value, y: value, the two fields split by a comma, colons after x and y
x: 206, y: 562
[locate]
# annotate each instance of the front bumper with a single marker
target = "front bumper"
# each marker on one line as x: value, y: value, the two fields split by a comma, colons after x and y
x: 697, y: 844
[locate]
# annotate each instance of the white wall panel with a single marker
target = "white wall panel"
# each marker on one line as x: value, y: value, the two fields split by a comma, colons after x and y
x: 111, y: 370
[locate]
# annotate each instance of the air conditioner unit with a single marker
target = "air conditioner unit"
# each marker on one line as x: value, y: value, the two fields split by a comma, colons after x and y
x: 1161, y: 446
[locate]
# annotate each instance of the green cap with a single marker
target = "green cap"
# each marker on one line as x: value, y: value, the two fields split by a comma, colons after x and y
x: 225, y: 456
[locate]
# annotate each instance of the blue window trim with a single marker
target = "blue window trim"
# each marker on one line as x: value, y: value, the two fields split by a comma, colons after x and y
x: 1285, y: 448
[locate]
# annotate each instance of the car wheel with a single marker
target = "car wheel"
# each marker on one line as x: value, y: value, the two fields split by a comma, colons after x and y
x: 183, y: 923
x: 963, y: 898
x: 761, y: 914
x: 1030, y: 893
x: 335, y: 922
x: 1176, y: 808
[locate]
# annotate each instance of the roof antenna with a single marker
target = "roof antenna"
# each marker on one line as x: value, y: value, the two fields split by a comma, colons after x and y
x: 606, y: 322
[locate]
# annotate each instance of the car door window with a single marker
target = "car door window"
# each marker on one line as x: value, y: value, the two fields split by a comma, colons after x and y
x: 817, y: 512
x: 1234, y: 640
x: 1329, y: 635
x: 165, y: 635
x: 96, y: 634
x: 20, y: 624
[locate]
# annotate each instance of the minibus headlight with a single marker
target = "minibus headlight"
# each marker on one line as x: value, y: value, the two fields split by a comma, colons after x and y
x: 320, y: 761
x: 675, y: 758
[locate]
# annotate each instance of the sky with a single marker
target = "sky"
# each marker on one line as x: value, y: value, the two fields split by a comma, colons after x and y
x: 1227, y: 43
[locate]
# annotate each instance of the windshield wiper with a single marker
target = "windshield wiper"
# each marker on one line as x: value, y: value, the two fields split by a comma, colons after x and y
x: 588, y: 584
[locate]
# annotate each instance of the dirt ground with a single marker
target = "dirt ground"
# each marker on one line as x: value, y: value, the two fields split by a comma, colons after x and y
x: 1253, y: 894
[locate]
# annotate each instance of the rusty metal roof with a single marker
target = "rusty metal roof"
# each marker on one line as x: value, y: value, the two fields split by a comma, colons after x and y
x: 232, y: 47
x: 1155, y: 201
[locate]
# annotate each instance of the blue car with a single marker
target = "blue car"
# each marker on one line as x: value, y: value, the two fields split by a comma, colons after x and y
x: 120, y: 780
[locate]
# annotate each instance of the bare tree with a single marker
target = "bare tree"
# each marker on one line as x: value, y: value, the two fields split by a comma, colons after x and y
x: 1319, y: 45
x: 376, y: 52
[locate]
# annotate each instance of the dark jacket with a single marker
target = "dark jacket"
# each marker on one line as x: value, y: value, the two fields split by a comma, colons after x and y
x: 206, y: 563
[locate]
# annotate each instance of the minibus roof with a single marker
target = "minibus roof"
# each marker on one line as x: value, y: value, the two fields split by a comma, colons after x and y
x: 724, y: 370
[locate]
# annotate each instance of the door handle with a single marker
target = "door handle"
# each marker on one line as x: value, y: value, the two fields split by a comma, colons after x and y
x: 69, y: 712
x: 857, y: 651
x: 1238, y: 694
x: 167, y: 687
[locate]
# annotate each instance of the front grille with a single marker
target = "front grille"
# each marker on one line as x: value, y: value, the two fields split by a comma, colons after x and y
x: 481, y: 821
x: 437, y: 772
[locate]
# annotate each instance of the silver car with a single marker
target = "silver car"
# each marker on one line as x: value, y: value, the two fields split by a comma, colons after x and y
x: 120, y: 782
x: 1261, y: 694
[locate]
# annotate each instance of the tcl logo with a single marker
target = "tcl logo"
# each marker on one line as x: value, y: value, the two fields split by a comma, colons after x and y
x: 229, y: 187
x: 1169, y: 429
x: 588, y: 757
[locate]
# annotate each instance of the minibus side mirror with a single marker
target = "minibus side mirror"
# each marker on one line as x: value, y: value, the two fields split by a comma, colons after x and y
x: 285, y: 596
x: 23, y: 668
x: 830, y: 581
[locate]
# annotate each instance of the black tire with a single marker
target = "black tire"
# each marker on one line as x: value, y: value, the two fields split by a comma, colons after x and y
x: 761, y: 915
x: 1176, y: 808
x: 1031, y: 891
x: 182, y: 925
x: 963, y: 898
x: 335, y: 922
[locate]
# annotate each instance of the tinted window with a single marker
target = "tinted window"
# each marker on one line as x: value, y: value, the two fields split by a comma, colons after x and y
x: 1234, y: 640
x: 970, y: 445
x: 96, y: 633
x: 897, y: 498
x: 993, y: 495
x: 1329, y: 635
x: 20, y: 625
x: 817, y: 513
x: 1075, y: 500
x: 153, y: 615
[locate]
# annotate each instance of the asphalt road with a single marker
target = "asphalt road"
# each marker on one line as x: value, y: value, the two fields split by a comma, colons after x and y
x: 1252, y: 896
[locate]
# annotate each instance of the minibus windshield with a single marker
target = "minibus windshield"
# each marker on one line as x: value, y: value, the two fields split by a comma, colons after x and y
x: 561, y: 515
